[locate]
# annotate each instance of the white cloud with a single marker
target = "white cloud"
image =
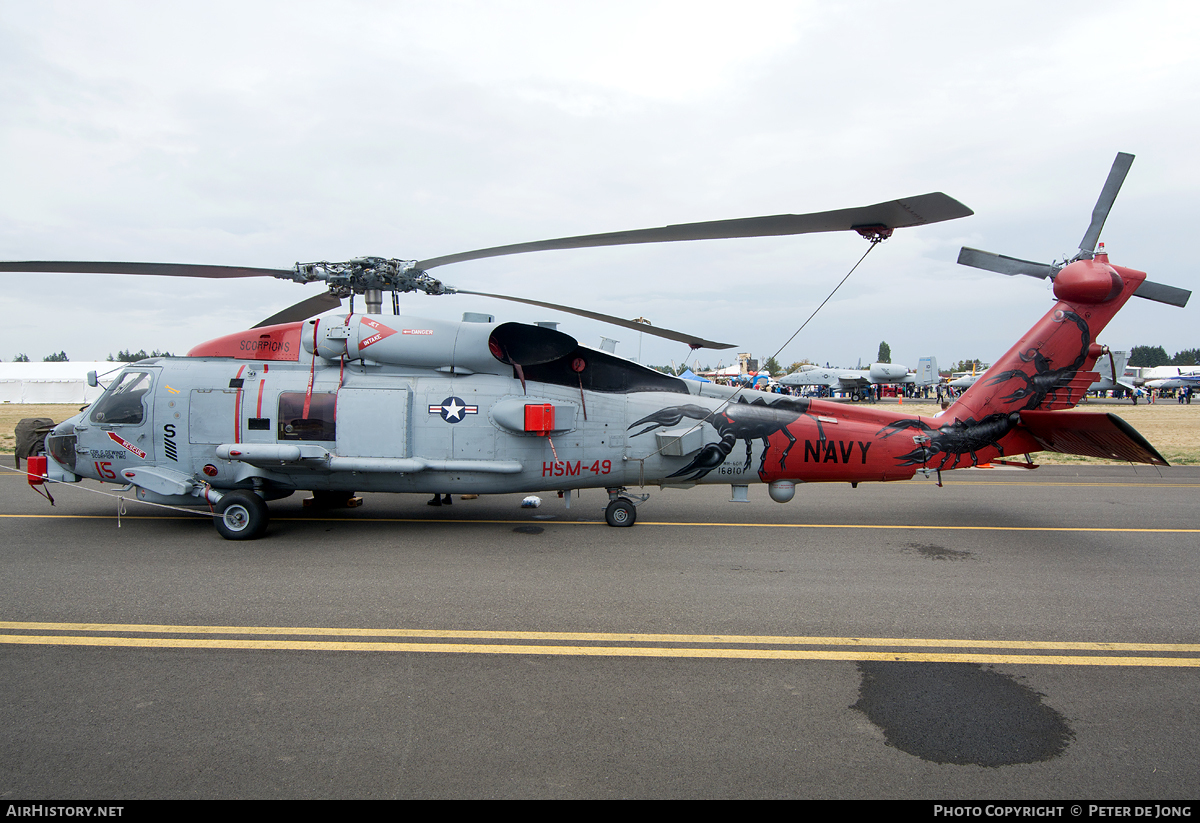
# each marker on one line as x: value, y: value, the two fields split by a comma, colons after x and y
x: 264, y: 133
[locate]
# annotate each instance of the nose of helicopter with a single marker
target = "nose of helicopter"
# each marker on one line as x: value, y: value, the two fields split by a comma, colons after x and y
x: 60, y: 444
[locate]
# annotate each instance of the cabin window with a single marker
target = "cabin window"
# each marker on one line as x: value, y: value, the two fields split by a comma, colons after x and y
x: 319, y: 424
x: 122, y: 404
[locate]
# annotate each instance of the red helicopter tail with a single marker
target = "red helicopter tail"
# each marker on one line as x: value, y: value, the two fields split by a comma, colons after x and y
x: 1050, y: 366
x: 1049, y: 370
x: 1028, y: 392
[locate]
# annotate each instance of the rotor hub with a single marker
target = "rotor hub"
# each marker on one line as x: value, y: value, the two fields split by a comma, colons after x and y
x: 365, y: 274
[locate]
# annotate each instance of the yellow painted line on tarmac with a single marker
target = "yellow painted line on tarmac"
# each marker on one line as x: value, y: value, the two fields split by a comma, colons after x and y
x: 700, y: 646
x: 595, y: 651
x: 598, y: 651
x: 607, y: 637
x: 926, y: 527
x: 106, y: 516
x: 465, y: 521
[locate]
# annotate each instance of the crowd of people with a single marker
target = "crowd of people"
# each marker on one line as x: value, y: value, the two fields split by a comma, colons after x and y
x: 1183, y: 395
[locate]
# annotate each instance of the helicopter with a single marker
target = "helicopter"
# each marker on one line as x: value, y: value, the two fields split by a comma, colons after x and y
x: 352, y: 403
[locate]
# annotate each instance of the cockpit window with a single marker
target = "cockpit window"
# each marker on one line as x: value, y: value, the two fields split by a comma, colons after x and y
x: 122, y: 403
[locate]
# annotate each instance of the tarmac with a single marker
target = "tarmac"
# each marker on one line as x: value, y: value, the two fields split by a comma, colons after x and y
x: 1010, y: 635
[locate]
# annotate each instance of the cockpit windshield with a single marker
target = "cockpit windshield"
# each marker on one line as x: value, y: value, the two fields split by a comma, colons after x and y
x: 122, y: 403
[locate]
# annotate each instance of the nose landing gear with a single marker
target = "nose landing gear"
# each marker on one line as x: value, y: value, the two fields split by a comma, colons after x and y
x: 241, y: 515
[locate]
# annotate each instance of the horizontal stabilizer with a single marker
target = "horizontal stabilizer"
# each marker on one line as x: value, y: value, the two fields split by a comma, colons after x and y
x: 1090, y: 434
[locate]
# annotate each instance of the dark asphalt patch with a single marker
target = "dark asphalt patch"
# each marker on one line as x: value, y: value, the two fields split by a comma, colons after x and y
x: 529, y: 530
x: 932, y: 551
x: 960, y: 713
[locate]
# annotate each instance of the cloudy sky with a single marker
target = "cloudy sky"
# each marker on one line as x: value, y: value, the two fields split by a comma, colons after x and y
x: 265, y: 133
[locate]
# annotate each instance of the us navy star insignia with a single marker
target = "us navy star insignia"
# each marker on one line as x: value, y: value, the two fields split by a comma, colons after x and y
x: 452, y: 409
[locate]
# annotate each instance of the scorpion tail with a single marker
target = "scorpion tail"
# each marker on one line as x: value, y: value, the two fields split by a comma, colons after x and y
x: 1049, y: 368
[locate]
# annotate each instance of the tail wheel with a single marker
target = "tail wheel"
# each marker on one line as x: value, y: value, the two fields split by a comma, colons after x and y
x: 620, y: 512
x: 242, y: 515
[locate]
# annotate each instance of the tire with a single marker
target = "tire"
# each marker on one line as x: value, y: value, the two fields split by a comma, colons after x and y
x: 620, y: 513
x: 243, y: 516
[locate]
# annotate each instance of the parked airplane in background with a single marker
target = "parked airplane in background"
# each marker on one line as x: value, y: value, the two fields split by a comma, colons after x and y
x: 1107, y: 370
x: 1171, y: 377
x: 965, y: 380
x: 856, y: 381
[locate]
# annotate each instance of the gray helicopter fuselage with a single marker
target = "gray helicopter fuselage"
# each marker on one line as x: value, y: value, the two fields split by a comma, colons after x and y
x: 443, y: 425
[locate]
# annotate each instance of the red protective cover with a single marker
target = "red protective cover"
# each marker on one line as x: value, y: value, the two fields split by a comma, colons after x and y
x: 539, y: 417
x: 37, y: 469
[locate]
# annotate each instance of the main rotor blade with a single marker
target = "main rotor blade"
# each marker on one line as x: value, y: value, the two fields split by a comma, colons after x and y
x: 657, y: 331
x: 1160, y: 293
x: 161, y: 269
x: 303, y: 310
x: 896, y: 214
x: 1003, y: 264
x: 1116, y: 176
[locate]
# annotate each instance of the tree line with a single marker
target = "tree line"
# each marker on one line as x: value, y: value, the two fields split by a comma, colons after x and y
x: 123, y: 356
x: 1150, y: 356
x: 61, y: 357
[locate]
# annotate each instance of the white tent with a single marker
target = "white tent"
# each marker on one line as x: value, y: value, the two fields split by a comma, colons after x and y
x: 51, y: 382
x: 725, y: 373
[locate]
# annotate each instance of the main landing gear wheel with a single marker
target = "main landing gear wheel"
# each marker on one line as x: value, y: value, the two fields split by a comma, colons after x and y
x: 242, y: 515
x: 620, y: 512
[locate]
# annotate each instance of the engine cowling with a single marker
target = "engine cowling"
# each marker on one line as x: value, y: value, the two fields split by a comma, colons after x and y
x: 422, y: 343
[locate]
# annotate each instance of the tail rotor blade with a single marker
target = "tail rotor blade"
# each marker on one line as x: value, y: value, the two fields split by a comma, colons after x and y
x: 1116, y: 176
x: 1003, y: 264
x: 1147, y: 289
x: 1160, y: 293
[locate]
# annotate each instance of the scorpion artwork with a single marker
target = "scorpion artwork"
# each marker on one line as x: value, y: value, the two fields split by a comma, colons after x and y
x: 740, y: 420
x: 971, y: 436
x: 1045, y: 380
x: 954, y: 439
